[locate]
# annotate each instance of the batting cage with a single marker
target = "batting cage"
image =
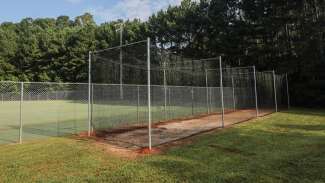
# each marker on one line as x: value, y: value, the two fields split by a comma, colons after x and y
x: 142, y: 95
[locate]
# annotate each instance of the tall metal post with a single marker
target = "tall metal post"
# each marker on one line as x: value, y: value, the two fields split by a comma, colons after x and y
x: 92, y: 106
x: 255, y: 88
x: 233, y: 92
x: 275, y: 94
x: 89, y: 94
x: 169, y: 103
x: 57, y: 116
x: 192, y: 93
x: 210, y: 100
x: 149, y: 93
x: 21, y: 112
x: 221, y: 92
x: 138, y: 103
x: 121, y: 61
x: 165, y: 91
x: 288, y: 92
x: 207, y: 87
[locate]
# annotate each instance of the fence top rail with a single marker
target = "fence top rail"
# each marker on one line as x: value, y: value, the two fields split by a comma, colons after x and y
x: 16, y: 82
x: 169, y: 86
x: 124, y: 64
x: 58, y: 83
x: 121, y: 46
x: 265, y: 71
x: 109, y: 84
x: 229, y: 68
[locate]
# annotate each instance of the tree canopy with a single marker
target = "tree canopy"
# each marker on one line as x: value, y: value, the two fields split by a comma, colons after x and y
x: 287, y: 36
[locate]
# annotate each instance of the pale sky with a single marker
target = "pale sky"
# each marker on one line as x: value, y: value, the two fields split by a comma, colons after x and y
x: 103, y: 10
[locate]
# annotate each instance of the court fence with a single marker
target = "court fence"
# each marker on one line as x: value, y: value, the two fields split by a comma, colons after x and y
x: 35, y: 110
x: 152, y: 94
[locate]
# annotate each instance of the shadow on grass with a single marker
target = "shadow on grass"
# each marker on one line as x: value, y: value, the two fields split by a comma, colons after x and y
x: 249, y: 155
x: 304, y: 127
x: 300, y: 111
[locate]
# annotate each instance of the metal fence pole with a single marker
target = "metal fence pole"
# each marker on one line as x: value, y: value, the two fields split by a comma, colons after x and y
x: 138, y: 103
x: 192, y: 92
x: 165, y: 91
x: 92, y: 107
x: 21, y: 112
x: 210, y: 100
x: 275, y: 92
x: 288, y: 93
x: 57, y: 116
x: 207, y: 88
x: 121, y: 62
x: 233, y: 92
x: 169, y: 103
x: 255, y: 89
x: 89, y: 94
x: 149, y: 93
x: 221, y: 92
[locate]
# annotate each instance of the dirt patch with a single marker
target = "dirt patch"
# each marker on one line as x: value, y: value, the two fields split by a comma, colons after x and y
x: 133, y: 142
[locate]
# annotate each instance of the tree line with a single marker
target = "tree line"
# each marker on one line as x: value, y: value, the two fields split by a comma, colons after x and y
x: 287, y: 36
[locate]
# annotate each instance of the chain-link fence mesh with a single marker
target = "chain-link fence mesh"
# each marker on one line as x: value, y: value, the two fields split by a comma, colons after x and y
x: 187, y: 96
x: 10, y: 112
x: 265, y: 92
x: 61, y: 109
x: 281, y: 91
x: 44, y: 109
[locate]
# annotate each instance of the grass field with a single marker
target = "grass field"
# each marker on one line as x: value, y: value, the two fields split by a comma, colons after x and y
x: 282, y: 147
x: 42, y: 119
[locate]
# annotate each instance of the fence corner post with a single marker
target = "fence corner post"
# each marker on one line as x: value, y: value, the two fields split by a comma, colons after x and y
x: 233, y: 92
x: 275, y: 92
x: 89, y: 94
x: 21, y: 112
x: 149, y: 92
x: 288, y: 91
x: 221, y: 92
x: 207, y: 88
x: 255, y: 89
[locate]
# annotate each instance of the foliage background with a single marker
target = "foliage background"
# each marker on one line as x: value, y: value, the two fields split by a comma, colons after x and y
x: 287, y: 36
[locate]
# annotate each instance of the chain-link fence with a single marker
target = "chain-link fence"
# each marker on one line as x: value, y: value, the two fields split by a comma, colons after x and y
x: 36, y: 110
x: 140, y: 95
x: 10, y: 112
x: 154, y: 96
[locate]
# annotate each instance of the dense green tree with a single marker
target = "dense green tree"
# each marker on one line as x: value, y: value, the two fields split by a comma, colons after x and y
x: 287, y: 36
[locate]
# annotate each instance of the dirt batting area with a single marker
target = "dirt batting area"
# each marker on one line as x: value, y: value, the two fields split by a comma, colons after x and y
x: 135, y: 140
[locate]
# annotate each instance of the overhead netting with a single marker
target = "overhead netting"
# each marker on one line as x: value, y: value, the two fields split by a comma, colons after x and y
x: 187, y: 95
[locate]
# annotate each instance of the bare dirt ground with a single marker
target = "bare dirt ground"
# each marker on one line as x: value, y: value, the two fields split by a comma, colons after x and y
x: 130, y: 143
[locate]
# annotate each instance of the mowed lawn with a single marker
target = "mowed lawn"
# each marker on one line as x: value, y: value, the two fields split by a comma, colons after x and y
x: 283, y: 147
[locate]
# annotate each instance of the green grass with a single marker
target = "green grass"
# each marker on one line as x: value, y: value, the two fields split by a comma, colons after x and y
x: 42, y: 119
x: 283, y: 147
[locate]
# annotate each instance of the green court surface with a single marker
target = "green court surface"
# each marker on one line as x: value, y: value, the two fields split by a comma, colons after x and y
x: 59, y: 118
